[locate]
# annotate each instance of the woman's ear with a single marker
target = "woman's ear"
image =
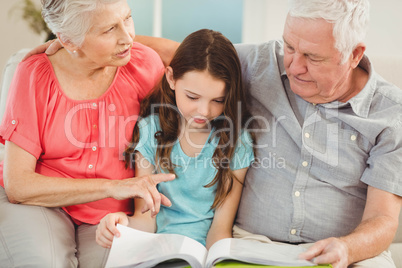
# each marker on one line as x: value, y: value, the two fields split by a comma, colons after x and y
x: 169, y: 77
x: 70, y: 47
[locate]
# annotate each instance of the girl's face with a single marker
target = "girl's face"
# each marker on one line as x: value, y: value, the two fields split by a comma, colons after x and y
x: 199, y: 97
x: 110, y: 38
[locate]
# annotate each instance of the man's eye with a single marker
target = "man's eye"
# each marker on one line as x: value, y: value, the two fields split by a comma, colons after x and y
x: 290, y: 49
x: 315, y: 60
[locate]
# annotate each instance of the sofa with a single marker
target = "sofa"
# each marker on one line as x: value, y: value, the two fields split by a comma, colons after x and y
x: 388, y: 66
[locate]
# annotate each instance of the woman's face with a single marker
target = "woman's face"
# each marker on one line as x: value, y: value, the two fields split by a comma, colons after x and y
x: 110, y: 38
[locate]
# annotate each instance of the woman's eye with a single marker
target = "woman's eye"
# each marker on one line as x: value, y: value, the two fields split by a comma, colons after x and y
x: 220, y: 101
x: 109, y: 30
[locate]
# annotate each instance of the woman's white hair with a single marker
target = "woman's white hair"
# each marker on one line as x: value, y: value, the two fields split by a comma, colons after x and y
x: 350, y: 19
x: 71, y: 19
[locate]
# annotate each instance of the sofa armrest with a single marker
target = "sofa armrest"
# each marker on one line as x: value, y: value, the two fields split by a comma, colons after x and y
x: 8, y: 74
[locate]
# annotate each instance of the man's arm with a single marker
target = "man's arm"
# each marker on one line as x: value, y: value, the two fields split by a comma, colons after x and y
x: 373, y: 235
x: 164, y: 47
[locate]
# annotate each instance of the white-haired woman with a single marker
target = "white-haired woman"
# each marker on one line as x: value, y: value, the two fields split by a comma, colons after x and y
x: 68, y: 119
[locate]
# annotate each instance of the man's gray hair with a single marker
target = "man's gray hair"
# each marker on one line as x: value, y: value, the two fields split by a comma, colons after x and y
x: 350, y: 19
x: 71, y: 19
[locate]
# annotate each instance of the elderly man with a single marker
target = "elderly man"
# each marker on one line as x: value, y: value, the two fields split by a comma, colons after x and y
x: 331, y: 144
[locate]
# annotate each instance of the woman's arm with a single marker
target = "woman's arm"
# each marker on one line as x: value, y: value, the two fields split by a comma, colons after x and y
x: 23, y: 185
x: 222, y: 223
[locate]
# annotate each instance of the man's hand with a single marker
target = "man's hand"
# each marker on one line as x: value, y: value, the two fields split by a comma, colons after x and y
x: 50, y: 47
x: 331, y: 250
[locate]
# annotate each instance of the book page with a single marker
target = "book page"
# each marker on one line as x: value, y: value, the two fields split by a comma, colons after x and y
x: 256, y: 252
x: 135, y: 248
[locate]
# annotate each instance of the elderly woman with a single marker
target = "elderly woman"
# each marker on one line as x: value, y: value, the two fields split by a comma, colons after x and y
x: 68, y: 119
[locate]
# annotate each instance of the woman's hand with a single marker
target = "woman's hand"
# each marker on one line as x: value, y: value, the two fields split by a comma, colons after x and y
x: 107, y: 228
x: 143, y: 187
x: 50, y: 48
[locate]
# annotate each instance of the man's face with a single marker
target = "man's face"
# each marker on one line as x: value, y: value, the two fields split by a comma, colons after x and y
x: 312, y: 63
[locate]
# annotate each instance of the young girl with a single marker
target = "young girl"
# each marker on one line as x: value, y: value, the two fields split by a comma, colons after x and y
x: 192, y: 125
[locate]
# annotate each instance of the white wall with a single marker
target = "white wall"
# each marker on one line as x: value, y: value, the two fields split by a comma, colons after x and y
x: 264, y: 20
x: 15, y: 33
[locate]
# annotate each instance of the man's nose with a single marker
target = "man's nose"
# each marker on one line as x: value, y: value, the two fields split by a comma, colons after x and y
x: 298, y: 64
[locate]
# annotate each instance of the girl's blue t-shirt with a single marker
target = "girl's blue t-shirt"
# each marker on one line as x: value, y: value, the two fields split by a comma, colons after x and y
x: 190, y: 214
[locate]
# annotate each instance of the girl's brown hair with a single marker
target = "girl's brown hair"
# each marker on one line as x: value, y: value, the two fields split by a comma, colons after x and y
x: 202, y: 50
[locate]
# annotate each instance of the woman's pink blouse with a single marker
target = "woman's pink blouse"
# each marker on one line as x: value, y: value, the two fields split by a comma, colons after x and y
x: 79, y: 139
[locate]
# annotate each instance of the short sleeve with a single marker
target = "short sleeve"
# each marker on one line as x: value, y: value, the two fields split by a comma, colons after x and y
x: 147, y: 143
x: 21, y: 122
x: 385, y: 161
x: 244, y: 154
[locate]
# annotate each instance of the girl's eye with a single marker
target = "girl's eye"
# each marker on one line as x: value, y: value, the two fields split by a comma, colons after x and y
x: 220, y: 101
x: 191, y: 98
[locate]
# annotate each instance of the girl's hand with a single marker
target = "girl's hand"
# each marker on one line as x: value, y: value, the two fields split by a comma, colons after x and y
x: 107, y: 228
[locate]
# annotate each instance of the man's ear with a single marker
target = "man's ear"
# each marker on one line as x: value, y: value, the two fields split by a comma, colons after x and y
x: 358, y: 54
x: 169, y: 77
x: 67, y: 44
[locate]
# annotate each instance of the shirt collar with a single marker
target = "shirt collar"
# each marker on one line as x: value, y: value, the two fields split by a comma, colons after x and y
x: 362, y: 101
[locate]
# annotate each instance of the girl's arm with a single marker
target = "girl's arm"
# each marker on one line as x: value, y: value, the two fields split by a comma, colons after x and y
x: 222, y: 223
x: 142, y: 219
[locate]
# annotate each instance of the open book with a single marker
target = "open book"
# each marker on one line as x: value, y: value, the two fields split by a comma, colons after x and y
x: 141, y: 249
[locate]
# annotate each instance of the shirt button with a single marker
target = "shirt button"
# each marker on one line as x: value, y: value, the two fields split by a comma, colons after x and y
x: 353, y: 137
x: 304, y: 164
x: 293, y: 231
x: 307, y: 135
x: 297, y: 193
x: 94, y: 148
x: 94, y: 104
x: 90, y: 166
x: 95, y: 126
x: 13, y: 122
